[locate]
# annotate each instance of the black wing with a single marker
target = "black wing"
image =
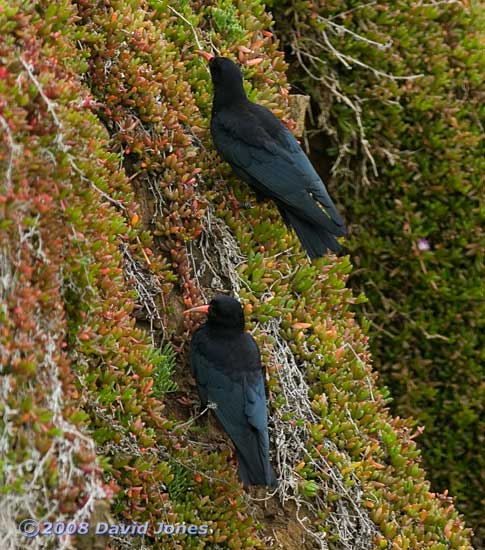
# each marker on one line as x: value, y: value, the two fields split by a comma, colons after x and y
x: 266, y: 154
x: 240, y: 408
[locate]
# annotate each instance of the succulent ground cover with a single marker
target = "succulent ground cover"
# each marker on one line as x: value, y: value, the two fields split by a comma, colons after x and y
x: 397, y: 91
x: 116, y: 214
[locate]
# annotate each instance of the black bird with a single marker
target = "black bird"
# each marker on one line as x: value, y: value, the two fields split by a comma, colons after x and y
x: 265, y: 154
x: 226, y: 364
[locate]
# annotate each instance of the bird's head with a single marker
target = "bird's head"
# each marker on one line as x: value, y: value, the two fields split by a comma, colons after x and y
x: 225, y: 72
x: 226, y: 77
x: 223, y: 312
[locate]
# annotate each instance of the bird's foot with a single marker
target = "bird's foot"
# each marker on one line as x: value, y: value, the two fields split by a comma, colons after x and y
x: 238, y: 205
x: 186, y: 401
x: 235, y: 204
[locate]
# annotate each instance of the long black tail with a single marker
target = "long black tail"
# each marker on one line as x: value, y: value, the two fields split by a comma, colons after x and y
x: 317, y: 241
x: 253, y: 460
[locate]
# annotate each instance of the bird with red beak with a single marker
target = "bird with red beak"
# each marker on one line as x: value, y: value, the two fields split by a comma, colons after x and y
x: 198, y: 309
x: 266, y: 155
x: 226, y: 364
x: 206, y: 55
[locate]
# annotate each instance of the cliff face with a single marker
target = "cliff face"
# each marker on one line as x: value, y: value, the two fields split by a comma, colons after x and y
x: 116, y: 214
x: 398, y: 108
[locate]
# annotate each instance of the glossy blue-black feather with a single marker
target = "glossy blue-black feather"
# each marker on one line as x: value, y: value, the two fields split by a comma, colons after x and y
x: 227, y: 369
x: 263, y: 152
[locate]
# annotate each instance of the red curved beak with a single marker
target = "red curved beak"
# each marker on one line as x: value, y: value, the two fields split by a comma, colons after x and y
x: 198, y: 309
x: 206, y: 55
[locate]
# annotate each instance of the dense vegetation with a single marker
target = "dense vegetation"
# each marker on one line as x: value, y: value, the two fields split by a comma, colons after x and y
x: 399, y: 103
x: 114, y: 207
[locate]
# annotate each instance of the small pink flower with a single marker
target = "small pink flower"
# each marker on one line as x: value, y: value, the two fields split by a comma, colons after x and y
x: 423, y: 244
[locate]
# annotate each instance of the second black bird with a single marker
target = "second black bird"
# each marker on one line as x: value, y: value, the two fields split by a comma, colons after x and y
x: 265, y: 154
x: 226, y: 364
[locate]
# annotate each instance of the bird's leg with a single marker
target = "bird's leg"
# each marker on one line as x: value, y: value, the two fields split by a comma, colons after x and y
x: 239, y: 205
x: 235, y: 203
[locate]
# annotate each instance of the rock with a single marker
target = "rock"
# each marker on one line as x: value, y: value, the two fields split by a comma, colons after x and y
x: 299, y: 104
